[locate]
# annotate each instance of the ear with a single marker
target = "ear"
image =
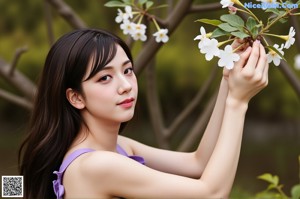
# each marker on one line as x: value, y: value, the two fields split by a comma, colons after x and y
x: 75, y: 99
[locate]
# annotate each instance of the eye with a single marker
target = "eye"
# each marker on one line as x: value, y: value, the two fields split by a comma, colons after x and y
x: 105, y: 78
x: 128, y: 71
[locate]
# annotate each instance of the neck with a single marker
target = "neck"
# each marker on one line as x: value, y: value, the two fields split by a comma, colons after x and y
x: 98, y: 135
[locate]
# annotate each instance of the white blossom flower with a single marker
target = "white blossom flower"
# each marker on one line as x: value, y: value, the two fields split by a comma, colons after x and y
x: 140, y: 27
x: 201, y: 37
x: 226, y: 3
x: 297, y: 62
x: 122, y: 16
x: 273, y: 56
x: 161, y: 36
x: 127, y: 27
x: 291, y: 40
x: 228, y: 57
x: 139, y: 32
x: 128, y: 10
x: 210, y: 48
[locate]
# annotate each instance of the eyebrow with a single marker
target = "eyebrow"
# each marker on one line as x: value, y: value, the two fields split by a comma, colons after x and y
x: 110, y: 67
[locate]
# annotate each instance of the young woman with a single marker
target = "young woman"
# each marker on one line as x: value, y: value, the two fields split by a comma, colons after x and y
x: 88, y: 91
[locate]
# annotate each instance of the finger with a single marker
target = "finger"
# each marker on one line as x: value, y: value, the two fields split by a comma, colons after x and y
x: 254, y: 56
x: 243, y: 58
x: 262, y: 59
x: 266, y: 73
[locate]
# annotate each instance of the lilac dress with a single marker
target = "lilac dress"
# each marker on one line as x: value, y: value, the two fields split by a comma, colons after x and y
x: 57, y: 184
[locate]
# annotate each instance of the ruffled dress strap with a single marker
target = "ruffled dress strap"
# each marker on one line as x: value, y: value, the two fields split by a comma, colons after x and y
x: 59, y: 189
x: 57, y: 184
x: 121, y: 151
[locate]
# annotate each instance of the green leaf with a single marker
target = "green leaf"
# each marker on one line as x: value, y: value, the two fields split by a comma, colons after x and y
x: 149, y: 4
x: 214, y: 22
x: 240, y: 34
x: 227, y: 27
x: 267, y: 195
x: 115, y: 4
x: 283, y: 20
x: 218, y: 33
x: 296, y: 192
x: 233, y: 20
x: 277, y: 52
x: 267, y: 176
x: 273, y: 10
x: 141, y: 2
x: 252, y: 26
x: 251, y: 23
x: 271, y: 186
x: 281, y: 13
x: 128, y: 2
x: 160, y: 6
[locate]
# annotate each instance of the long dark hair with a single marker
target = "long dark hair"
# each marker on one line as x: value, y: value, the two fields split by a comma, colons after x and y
x: 55, y: 122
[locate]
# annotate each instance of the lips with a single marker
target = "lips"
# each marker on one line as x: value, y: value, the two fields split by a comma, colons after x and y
x: 127, y: 103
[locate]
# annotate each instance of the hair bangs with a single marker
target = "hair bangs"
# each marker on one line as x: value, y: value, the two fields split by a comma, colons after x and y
x: 105, y: 50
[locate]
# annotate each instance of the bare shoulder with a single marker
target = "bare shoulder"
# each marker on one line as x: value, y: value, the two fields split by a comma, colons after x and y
x: 98, y: 163
x: 97, y: 171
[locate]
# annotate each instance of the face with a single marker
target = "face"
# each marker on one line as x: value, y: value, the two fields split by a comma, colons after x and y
x: 110, y: 96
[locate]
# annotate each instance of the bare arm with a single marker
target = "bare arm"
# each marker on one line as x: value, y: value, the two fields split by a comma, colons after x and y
x: 212, y: 131
x: 211, y: 134
x: 244, y: 82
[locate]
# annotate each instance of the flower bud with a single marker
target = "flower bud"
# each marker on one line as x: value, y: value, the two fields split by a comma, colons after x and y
x: 232, y: 10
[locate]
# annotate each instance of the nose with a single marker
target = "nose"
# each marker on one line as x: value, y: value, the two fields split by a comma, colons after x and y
x: 124, y: 85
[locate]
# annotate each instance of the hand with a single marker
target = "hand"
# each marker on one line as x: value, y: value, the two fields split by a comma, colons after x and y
x: 242, y: 46
x: 249, y: 75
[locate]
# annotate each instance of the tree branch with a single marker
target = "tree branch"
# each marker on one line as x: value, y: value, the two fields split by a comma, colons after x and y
x: 192, y: 105
x: 199, y: 125
x: 67, y: 13
x: 156, y: 115
x: 152, y: 47
x: 20, y: 101
x: 290, y: 75
x: 295, y: 23
x: 48, y: 19
x: 16, y: 58
x: 18, y: 80
x: 205, y: 7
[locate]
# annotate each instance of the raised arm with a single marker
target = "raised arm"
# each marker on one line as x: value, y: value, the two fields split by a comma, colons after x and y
x: 212, y: 131
x: 244, y: 82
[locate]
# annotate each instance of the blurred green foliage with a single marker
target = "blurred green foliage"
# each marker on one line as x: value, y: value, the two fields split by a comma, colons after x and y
x: 181, y: 69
